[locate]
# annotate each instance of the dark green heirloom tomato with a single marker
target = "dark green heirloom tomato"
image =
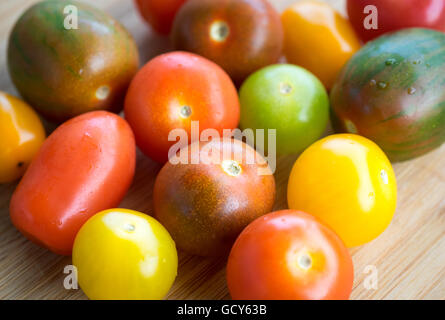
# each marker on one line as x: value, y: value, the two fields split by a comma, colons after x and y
x: 289, y: 99
x: 64, y: 71
x: 206, y: 205
x: 392, y: 92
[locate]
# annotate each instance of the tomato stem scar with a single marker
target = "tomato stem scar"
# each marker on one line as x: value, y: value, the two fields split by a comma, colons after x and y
x: 103, y: 92
x: 304, y: 261
x: 231, y: 167
x: 129, y: 227
x: 285, y: 88
x: 185, y: 111
x: 219, y: 31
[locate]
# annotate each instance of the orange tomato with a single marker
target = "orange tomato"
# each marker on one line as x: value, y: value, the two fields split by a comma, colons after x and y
x: 170, y: 92
x: 348, y: 183
x: 21, y: 133
x: 318, y: 38
x: 85, y: 166
x: 289, y: 255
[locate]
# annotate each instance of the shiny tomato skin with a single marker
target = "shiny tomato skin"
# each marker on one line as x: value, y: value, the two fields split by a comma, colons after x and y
x: 64, y: 72
x: 318, y: 38
x: 165, y: 86
x: 347, y: 182
x: 124, y: 254
x: 288, y: 99
x: 397, y: 14
x: 86, y: 165
x: 241, y: 36
x: 289, y: 255
x: 159, y: 13
x: 205, y: 206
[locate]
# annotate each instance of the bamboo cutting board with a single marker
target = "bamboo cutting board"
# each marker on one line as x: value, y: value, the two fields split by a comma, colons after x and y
x: 409, y: 257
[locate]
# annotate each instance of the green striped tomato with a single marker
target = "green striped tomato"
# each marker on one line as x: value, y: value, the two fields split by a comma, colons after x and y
x: 63, y: 68
x: 393, y: 92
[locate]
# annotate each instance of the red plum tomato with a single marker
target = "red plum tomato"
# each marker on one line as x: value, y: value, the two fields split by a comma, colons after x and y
x: 85, y: 166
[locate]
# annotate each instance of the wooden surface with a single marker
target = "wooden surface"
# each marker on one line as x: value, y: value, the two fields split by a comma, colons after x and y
x: 409, y: 255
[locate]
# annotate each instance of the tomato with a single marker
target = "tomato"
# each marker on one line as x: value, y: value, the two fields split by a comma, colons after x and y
x: 159, y: 13
x: 289, y: 255
x: 392, y: 92
x: 170, y: 92
x: 124, y: 254
x: 318, y: 38
x: 348, y: 183
x: 206, y: 205
x: 63, y: 72
x: 241, y: 36
x: 396, y: 14
x: 21, y: 133
x: 289, y: 99
x: 86, y: 165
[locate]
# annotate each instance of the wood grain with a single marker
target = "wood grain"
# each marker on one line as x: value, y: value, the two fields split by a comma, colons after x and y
x: 409, y: 255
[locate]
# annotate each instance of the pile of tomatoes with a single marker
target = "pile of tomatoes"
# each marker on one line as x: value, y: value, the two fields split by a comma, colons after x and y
x: 224, y: 75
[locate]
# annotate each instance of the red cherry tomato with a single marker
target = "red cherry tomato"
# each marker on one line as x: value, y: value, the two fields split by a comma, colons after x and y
x: 397, y: 14
x: 85, y: 166
x: 159, y: 13
x: 170, y: 92
x: 289, y: 255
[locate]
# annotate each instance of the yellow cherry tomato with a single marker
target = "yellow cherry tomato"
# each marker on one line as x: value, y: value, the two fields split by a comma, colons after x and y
x: 21, y: 135
x: 318, y: 38
x: 348, y: 182
x: 124, y: 254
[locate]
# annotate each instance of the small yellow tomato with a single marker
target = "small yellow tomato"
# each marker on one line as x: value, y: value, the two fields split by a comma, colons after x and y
x: 21, y: 135
x: 124, y: 254
x: 318, y: 38
x: 348, y: 182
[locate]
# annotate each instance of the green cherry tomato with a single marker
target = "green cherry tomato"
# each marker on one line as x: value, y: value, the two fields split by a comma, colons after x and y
x: 289, y: 99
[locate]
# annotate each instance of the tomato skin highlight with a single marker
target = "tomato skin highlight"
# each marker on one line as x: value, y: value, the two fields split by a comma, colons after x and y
x: 124, y: 254
x: 241, y: 36
x: 204, y: 206
x: 85, y: 166
x: 159, y: 13
x: 397, y: 14
x: 168, y: 84
x: 21, y: 133
x: 269, y: 260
